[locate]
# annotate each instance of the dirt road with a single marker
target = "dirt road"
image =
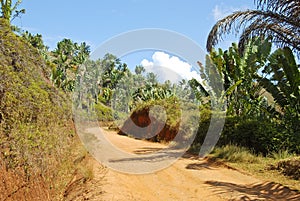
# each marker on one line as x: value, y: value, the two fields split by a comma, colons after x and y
x: 189, y: 178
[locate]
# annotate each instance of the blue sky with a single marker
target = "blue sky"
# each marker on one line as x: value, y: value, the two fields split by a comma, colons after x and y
x: 96, y: 21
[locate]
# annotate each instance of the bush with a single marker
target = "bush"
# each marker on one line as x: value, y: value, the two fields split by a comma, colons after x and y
x: 261, y: 136
x: 172, y: 110
x: 103, y: 112
x: 205, y: 116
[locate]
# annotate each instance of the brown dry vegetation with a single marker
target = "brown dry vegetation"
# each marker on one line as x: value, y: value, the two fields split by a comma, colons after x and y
x: 36, y: 130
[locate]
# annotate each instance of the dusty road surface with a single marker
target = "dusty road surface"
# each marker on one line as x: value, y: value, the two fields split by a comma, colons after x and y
x: 189, y: 178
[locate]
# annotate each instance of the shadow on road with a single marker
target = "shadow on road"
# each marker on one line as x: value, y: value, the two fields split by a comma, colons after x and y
x: 146, y: 150
x: 160, y: 156
x: 199, y: 166
x: 267, y: 190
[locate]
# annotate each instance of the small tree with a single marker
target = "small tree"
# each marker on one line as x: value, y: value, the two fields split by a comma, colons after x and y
x: 139, y: 70
x: 9, y: 10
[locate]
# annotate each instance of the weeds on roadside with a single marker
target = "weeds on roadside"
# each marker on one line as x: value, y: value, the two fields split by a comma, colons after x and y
x: 232, y: 153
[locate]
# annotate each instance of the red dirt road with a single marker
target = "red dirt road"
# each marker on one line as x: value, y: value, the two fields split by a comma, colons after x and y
x: 189, y: 178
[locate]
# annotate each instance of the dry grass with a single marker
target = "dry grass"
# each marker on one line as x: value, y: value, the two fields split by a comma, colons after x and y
x: 257, y: 166
x: 235, y: 154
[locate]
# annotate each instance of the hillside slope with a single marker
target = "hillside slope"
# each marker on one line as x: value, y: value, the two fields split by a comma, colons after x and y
x: 35, y: 123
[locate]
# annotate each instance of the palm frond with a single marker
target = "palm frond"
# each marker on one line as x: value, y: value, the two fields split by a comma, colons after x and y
x: 285, y: 7
x: 285, y: 30
x: 280, y: 35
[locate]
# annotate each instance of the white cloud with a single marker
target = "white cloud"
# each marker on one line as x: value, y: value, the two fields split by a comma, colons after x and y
x: 221, y: 11
x: 146, y: 63
x: 169, y: 67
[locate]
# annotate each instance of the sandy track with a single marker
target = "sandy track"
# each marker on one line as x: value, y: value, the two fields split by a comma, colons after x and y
x: 189, y: 178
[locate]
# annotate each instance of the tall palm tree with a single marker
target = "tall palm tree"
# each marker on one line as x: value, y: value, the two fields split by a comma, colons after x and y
x: 67, y: 57
x: 278, y: 19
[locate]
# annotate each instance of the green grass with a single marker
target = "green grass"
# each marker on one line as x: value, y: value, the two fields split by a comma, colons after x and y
x: 264, y: 168
x: 235, y: 154
x: 282, y: 154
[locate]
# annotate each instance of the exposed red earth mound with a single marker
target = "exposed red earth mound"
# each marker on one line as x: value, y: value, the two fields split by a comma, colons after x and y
x: 155, y: 130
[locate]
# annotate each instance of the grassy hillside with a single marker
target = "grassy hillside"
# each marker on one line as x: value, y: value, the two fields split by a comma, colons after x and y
x: 36, y: 133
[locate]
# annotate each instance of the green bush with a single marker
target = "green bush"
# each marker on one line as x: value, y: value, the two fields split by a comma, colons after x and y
x: 205, y: 116
x: 261, y: 136
x: 103, y: 112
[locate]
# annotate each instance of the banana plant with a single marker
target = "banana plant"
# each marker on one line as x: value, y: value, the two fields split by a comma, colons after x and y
x: 152, y: 92
x: 282, y: 79
x: 238, y: 73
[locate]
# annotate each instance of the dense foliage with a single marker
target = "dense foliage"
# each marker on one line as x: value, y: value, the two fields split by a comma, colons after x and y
x: 261, y: 90
x: 264, y: 86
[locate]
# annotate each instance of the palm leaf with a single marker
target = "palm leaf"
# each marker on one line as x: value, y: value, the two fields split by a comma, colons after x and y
x: 292, y: 72
x: 277, y: 18
x: 276, y: 93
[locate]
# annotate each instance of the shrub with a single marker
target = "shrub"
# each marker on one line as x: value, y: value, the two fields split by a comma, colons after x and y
x: 261, y: 136
x: 165, y: 126
x: 103, y: 112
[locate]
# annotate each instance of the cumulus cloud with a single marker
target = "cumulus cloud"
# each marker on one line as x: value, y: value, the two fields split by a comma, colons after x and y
x: 169, y: 67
